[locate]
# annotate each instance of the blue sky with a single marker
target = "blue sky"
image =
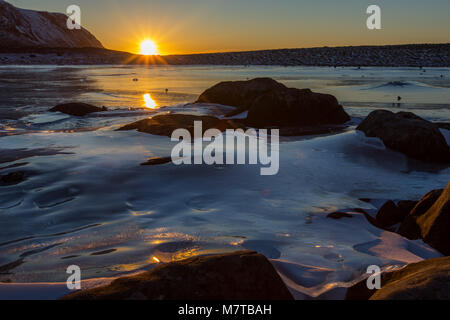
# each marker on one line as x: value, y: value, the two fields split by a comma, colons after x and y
x: 184, y: 26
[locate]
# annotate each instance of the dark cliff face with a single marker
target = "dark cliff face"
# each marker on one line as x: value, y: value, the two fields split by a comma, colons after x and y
x: 28, y: 28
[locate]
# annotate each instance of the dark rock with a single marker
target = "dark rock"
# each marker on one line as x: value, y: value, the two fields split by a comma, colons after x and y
x: 390, y: 214
x: 295, y: 107
x: 443, y: 125
x: 409, y: 227
x: 425, y: 280
x: 407, y: 133
x: 13, y: 177
x: 407, y: 205
x: 243, y: 275
x: 77, y: 109
x: 239, y: 94
x: 338, y: 215
x: 435, y: 223
x: 272, y: 104
x: 311, y: 130
x: 157, y: 161
x: 164, y: 125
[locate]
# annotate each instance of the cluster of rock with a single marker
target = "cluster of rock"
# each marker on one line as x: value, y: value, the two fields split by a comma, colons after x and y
x: 427, y: 219
x: 420, y: 55
x: 271, y: 104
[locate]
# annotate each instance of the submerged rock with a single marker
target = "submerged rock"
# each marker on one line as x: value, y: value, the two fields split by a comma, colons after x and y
x: 272, y: 104
x: 77, y: 109
x: 407, y: 133
x: 425, y: 280
x: 242, y: 275
x: 164, y: 125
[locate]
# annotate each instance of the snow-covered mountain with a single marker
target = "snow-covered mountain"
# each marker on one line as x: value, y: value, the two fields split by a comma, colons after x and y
x: 29, y: 28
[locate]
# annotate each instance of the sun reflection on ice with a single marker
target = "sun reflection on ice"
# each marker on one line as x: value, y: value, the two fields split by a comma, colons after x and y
x: 149, y: 102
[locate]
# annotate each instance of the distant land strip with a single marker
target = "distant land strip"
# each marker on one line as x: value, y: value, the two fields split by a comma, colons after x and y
x: 411, y: 55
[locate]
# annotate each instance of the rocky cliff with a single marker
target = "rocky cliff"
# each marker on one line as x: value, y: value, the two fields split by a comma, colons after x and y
x: 20, y: 28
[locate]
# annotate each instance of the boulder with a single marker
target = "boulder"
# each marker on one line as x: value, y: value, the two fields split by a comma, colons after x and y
x: 409, y: 227
x: 295, y: 107
x: 242, y: 275
x: 425, y: 280
x: 407, y: 133
x: 239, y: 94
x: 407, y: 205
x: 272, y: 104
x: 390, y: 214
x: 164, y: 125
x: 77, y: 109
x: 434, y: 224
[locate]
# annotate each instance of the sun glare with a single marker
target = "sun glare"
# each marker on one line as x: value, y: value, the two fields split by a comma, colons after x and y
x: 148, y: 48
x: 149, y: 102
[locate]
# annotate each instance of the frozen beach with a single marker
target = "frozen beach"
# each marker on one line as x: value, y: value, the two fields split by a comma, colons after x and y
x: 87, y: 201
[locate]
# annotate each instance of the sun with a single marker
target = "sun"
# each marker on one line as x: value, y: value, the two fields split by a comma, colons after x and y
x: 148, y: 48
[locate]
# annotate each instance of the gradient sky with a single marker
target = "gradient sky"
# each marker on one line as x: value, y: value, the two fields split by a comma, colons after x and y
x: 188, y: 26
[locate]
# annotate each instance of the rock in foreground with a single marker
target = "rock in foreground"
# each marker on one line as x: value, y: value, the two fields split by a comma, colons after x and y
x: 77, y: 109
x: 407, y: 133
x: 242, y: 275
x: 426, y: 280
x: 272, y: 104
x: 164, y: 125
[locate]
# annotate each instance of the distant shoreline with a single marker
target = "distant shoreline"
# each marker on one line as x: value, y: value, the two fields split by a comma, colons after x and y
x: 411, y: 55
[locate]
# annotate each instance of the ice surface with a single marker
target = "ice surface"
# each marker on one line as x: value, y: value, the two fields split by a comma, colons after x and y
x: 93, y: 196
